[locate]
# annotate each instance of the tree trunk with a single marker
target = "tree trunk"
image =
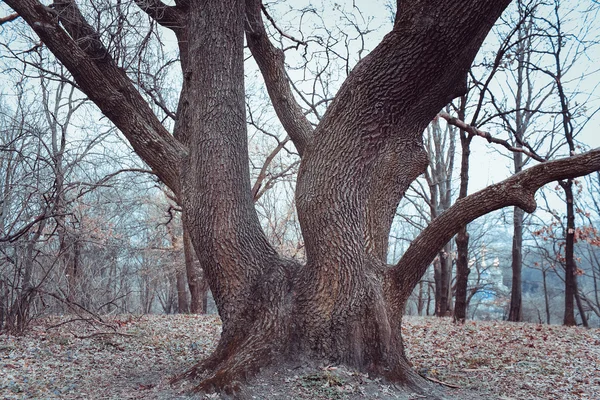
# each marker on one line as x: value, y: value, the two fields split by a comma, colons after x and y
x: 429, y: 290
x: 546, y: 300
x: 523, y: 112
x: 515, y: 313
x: 183, y: 306
x: 443, y: 277
x: 570, y: 267
x: 584, y: 318
x: 440, y: 145
x: 420, y: 299
x: 462, y: 275
x: 197, y: 285
x: 462, y: 238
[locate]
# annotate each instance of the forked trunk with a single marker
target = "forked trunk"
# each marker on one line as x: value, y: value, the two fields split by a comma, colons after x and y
x: 345, y: 305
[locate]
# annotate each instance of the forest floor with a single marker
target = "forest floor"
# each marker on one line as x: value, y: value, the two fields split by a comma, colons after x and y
x: 134, y: 357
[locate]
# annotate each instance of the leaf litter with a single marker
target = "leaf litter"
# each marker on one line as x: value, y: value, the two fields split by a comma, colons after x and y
x: 133, y: 357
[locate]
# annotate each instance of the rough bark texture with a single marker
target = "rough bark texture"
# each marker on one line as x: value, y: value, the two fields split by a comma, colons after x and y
x: 345, y: 305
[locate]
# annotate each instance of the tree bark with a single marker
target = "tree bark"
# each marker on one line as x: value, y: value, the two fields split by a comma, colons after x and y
x: 183, y: 303
x: 515, y: 313
x: 570, y: 267
x: 196, y: 284
x: 462, y: 275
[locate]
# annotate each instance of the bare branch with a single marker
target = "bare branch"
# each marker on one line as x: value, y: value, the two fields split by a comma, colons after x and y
x: 527, y: 150
x: 79, y: 48
x: 167, y: 16
x: 25, y: 229
x: 8, y: 18
x: 518, y: 190
x: 270, y: 60
x: 281, y: 32
x: 263, y: 171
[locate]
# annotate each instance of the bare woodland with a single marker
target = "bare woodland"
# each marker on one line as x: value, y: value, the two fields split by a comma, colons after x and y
x: 305, y: 171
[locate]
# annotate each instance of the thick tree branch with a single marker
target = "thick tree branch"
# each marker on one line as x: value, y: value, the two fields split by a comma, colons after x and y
x: 527, y: 150
x: 518, y: 190
x: 79, y: 48
x: 270, y: 60
x: 8, y: 18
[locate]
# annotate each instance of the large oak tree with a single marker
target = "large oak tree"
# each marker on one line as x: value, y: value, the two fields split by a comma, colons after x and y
x: 345, y: 304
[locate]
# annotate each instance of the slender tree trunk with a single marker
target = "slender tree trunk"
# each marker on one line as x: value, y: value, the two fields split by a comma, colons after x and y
x: 515, y: 312
x: 438, y: 281
x: 443, y: 285
x: 439, y: 179
x: 420, y: 299
x: 462, y: 275
x: 523, y: 100
x: 546, y: 300
x: 429, y: 290
x: 584, y: 319
x: 462, y: 238
x: 180, y: 281
x: 183, y: 306
x: 570, y: 267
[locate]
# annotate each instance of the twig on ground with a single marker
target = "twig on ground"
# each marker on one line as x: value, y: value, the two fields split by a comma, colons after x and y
x: 441, y: 383
x: 100, y: 334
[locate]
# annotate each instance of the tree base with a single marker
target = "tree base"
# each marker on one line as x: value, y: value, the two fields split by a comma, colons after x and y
x: 302, y: 378
x: 318, y: 380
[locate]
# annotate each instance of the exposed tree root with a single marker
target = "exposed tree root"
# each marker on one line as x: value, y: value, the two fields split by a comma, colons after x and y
x: 230, y: 366
x: 230, y: 372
